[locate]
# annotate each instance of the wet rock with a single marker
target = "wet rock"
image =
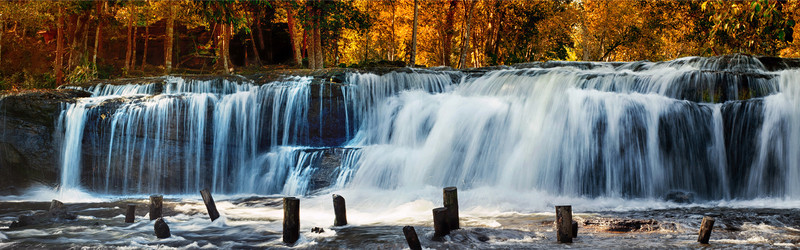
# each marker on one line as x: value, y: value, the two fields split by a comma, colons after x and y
x: 318, y: 230
x: 58, y: 212
x: 625, y: 225
x: 161, y: 228
x: 680, y: 197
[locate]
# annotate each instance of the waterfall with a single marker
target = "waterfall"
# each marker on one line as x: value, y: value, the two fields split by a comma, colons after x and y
x: 720, y: 128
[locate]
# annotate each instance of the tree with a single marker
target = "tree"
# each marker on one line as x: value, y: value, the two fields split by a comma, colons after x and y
x: 413, y: 60
x: 469, y: 6
x: 447, y: 32
x: 59, y: 47
x: 169, y: 37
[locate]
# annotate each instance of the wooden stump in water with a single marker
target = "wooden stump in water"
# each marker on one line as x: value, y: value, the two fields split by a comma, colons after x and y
x: 450, y: 198
x: 130, y: 214
x: 705, y: 230
x: 161, y: 228
x: 156, y: 205
x: 440, y: 226
x: 564, y: 224
x: 210, y: 206
x: 340, y: 210
x: 411, y: 238
x: 291, y: 220
x: 574, y: 229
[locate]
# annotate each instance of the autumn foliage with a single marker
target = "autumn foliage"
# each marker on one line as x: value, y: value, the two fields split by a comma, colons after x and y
x: 103, y: 39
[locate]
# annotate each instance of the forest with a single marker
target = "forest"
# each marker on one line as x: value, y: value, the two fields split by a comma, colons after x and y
x: 44, y: 44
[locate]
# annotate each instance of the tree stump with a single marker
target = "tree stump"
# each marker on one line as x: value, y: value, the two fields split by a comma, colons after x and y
x: 156, y: 205
x: 161, y: 228
x: 564, y: 224
x: 130, y: 214
x: 450, y: 198
x: 705, y: 230
x: 440, y: 225
x: 210, y: 206
x: 291, y: 220
x: 340, y: 210
x: 411, y: 238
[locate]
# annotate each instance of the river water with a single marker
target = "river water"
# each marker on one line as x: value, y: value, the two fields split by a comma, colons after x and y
x: 614, y: 140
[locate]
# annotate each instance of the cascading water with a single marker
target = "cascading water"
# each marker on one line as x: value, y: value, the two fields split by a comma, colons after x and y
x: 722, y: 128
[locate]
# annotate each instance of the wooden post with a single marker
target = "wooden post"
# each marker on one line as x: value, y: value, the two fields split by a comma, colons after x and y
x: 564, y: 224
x: 411, y: 238
x: 340, y: 210
x: 210, y: 206
x: 705, y: 230
x: 156, y: 205
x: 161, y: 228
x: 130, y: 214
x: 574, y: 229
x: 450, y: 195
x: 440, y: 226
x: 291, y: 220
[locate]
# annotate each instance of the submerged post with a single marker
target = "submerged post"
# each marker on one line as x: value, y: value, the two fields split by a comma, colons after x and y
x: 705, y: 230
x: 440, y: 227
x: 156, y: 205
x: 130, y: 214
x: 411, y: 238
x: 564, y: 224
x: 450, y: 198
x: 339, y: 210
x: 161, y: 228
x: 291, y: 220
x: 210, y: 206
x: 574, y: 229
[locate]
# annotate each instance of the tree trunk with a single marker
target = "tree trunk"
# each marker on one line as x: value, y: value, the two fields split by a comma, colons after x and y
x: 255, y: 50
x: 168, y: 38
x: 468, y: 8
x: 413, y: 60
x: 146, y: 39
x: 225, y: 41
x: 59, y: 47
x: 290, y: 19
x: 100, y: 8
x: 260, y: 31
x: 318, y: 39
x: 448, y: 32
x: 1, y: 40
x: 392, y: 39
x: 133, y: 53
x: 311, y: 45
x: 130, y: 44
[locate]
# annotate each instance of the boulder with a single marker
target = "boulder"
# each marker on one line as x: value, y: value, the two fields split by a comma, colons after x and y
x: 161, y: 228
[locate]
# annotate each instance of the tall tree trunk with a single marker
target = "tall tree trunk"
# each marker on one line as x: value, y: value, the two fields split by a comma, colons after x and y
x: 311, y: 42
x: 413, y: 60
x: 392, y: 40
x: 255, y: 50
x: 468, y: 7
x: 133, y: 53
x: 448, y: 32
x: 168, y: 38
x: 100, y: 5
x: 128, y: 54
x: 146, y: 39
x: 260, y: 31
x: 74, y: 49
x: 59, y: 48
x: 225, y: 41
x: 2, y: 30
x: 290, y: 19
x: 320, y: 56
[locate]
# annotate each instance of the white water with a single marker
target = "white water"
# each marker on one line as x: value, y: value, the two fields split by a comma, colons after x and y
x: 620, y: 131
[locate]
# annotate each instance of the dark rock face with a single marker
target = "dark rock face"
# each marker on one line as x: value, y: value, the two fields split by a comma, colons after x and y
x: 27, y: 145
x: 680, y: 197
